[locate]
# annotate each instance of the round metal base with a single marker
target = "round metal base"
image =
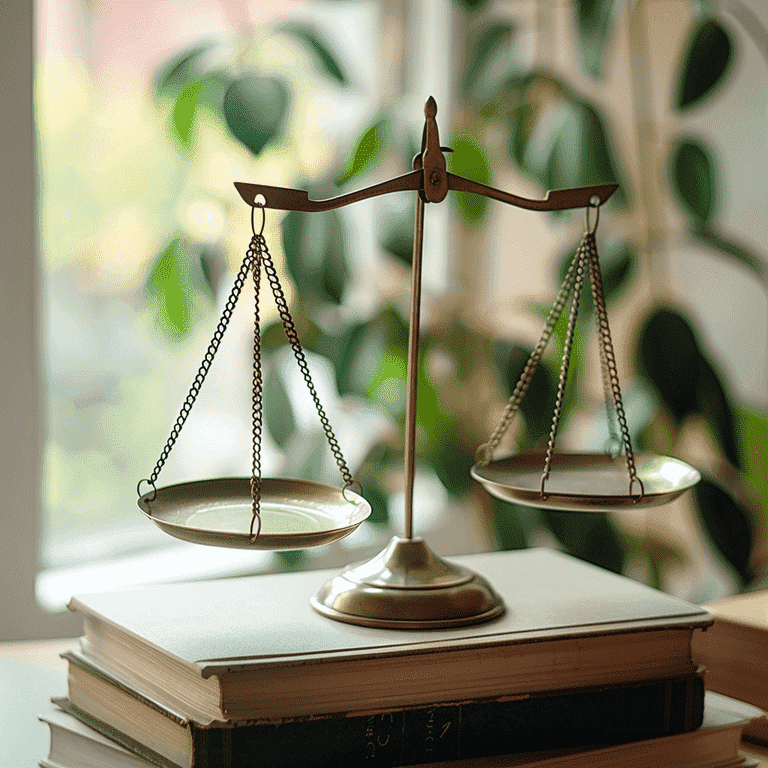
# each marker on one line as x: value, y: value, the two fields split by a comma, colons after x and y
x: 407, y: 586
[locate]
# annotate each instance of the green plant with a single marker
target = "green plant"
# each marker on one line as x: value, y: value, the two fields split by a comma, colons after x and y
x: 556, y: 136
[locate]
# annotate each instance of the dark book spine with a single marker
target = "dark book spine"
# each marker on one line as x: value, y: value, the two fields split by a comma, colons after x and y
x: 462, y: 730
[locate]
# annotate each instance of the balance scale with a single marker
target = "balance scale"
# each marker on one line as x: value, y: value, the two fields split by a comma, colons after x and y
x: 407, y: 585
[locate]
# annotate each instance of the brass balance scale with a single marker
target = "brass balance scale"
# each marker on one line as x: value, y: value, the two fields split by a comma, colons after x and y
x: 407, y: 585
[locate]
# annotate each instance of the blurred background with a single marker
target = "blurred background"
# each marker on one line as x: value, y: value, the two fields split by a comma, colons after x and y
x: 148, y: 111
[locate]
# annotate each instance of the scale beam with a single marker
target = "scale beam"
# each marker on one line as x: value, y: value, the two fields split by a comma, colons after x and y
x: 284, y: 199
x: 432, y: 181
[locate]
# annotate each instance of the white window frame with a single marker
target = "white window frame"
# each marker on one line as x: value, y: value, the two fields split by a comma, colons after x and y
x: 21, y: 411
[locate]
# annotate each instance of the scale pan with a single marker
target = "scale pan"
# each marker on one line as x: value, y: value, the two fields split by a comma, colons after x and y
x: 294, y: 513
x: 586, y: 482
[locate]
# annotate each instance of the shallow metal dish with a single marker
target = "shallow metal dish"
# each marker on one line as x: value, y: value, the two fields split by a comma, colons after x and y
x: 294, y: 513
x: 586, y: 482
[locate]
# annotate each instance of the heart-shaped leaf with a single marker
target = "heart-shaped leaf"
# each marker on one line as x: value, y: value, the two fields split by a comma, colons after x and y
x: 694, y: 179
x: 707, y: 60
x: 255, y: 110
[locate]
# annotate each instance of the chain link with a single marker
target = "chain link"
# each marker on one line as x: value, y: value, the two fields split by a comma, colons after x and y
x: 256, y: 393
x: 580, y: 260
x: 485, y: 452
x: 293, y: 338
x: 606, y: 345
x: 202, y: 371
x: 257, y: 256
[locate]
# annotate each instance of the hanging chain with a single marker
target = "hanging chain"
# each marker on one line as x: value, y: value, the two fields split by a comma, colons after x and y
x: 202, y: 372
x: 485, y: 452
x: 293, y: 338
x: 610, y: 370
x: 254, y: 252
x: 580, y: 261
x: 257, y: 256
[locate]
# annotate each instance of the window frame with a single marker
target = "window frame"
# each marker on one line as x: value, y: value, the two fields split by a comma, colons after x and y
x: 22, y: 419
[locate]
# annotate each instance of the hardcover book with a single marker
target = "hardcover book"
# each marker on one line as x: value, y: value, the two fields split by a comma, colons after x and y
x: 252, y: 649
x: 735, y: 651
x: 714, y: 745
x: 387, y: 738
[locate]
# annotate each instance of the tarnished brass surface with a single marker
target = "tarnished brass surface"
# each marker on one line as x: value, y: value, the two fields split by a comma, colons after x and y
x: 407, y: 586
x: 295, y: 513
x: 585, y: 482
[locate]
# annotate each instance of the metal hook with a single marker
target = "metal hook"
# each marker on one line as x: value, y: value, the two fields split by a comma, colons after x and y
x: 154, y: 489
x: 259, y: 202
x: 355, y: 487
x: 594, y: 202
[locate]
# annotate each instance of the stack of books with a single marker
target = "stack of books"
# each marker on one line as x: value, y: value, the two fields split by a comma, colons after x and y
x: 585, y: 667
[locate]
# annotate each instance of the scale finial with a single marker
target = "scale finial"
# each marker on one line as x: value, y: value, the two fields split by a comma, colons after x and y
x: 433, y: 161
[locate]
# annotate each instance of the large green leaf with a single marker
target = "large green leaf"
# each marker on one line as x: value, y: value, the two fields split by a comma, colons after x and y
x: 489, y: 63
x: 315, y: 252
x: 590, y: 537
x: 452, y: 459
x: 319, y: 48
x: 367, y: 150
x: 694, y: 179
x: 671, y: 358
x: 538, y: 404
x: 277, y: 408
x: 708, y: 58
x: 566, y: 145
x: 255, y: 110
x: 729, y: 527
x: 360, y: 350
x: 468, y: 159
x: 184, y: 113
x: 594, y: 18
x: 617, y: 266
x: 512, y: 525
x: 168, y: 284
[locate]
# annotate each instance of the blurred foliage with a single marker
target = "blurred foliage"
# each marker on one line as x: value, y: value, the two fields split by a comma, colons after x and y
x: 594, y: 19
x: 708, y: 58
x: 555, y: 135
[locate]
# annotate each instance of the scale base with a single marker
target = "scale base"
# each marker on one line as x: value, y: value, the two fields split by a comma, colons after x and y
x: 407, y: 586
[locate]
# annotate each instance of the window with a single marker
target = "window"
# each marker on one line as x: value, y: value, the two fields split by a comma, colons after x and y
x: 130, y: 187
